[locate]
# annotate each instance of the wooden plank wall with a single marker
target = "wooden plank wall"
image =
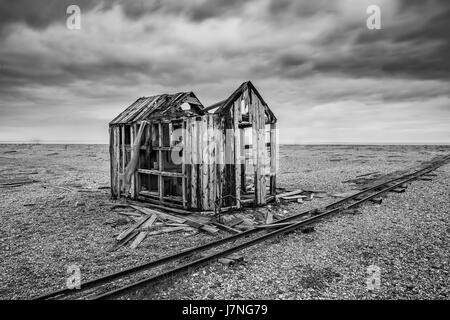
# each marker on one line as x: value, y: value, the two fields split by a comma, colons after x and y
x: 113, y: 169
x: 213, y: 156
x: 204, y: 162
x: 273, y: 158
x: 257, y: 118
x: 115, y: 156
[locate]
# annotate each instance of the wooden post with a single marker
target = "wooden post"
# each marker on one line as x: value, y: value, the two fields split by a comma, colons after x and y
x: 219, y: 159
x: 170, y: 134
x: 237, y: 151
x: 205, y: 162
x: 132, y: 137
x: 117, y: 151
x: 160, y: 163
x: 262, y: 153
x: 183, y: 164
x: 212, y: 161
x: 124, y: 157
x: 243, y: 158
x: 112, y: 156
x: 255, y: 127
x: 194, y: 170
x: 273, y: 158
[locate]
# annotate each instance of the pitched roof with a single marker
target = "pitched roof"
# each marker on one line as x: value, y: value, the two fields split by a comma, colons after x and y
x: 224, y: 105
x: 159, y: 105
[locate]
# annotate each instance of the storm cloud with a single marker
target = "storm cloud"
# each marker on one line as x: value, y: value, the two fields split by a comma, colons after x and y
x: 326, y: 76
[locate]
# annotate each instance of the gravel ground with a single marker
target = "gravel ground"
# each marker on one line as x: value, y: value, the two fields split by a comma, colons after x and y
x: 45, y: 229
x: 406, y: 237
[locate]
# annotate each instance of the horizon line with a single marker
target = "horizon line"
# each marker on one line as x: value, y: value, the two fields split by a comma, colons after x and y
x: 81, y: 142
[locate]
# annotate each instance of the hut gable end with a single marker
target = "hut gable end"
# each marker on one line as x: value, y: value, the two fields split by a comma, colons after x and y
x: 244, y: 92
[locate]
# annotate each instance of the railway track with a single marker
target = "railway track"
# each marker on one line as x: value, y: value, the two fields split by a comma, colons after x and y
x: 116, y: 284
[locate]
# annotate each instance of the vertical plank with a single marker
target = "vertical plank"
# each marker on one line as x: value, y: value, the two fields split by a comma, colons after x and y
x: 122, y: 133
x: 263, y: 153
x: 183, y: 164
x: 170, y: 134
x: 194, y: 155
x: 132, y: 137
x: 212, y: 161
x: 219, y: 159
x: 254, y: 120
x: 237, y: 151
x: 117, y: 164
x: 205, y: 162
x: 273, y: 158
x: 243, y: 157
x: 160, y: 163
x: 112, y: 159
x: 229, y: 185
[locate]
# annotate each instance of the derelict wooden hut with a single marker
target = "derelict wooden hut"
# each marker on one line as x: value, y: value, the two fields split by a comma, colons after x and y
x: 172, y: 151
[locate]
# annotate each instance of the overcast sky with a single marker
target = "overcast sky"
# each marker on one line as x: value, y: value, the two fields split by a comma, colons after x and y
x: 327, y: 77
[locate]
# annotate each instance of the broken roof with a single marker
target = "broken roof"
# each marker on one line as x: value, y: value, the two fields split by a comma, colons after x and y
x: 159, y: 106
x: 224, y: 105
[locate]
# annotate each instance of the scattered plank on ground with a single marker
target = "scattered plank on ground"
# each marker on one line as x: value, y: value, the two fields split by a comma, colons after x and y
x: 269, y: 217
x: 225, y: 228
x: 127, y: 232
x: 141, y: 236
x: 290, y: 193
x: 177, y: 219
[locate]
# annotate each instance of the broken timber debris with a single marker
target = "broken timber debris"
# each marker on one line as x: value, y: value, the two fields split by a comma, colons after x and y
x: 185, y: 220
x: 143, y: 234
x: 225, y: 228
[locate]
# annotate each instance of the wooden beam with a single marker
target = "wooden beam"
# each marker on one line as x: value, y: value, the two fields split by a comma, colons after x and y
x: 183, y: 164
x: 194, y: 167
x: 141, y: 236
x: 160, y: 163
x: 237, y: 150
x: 273, y: 158
x: 161, y: 173
x: 225, y: 228
x: 132, y: 137
x: 117, y: 164
x: 205, y: 162
x: 112, y: 157
x: 188, y: 221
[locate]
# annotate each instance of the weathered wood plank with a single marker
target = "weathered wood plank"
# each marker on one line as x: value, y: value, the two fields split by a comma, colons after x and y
x: 237, y: 151
x: 141, y: 236
x: 125, y: 233
x: 205, y: 163
x: 262, y: 153
x: 212, y: 161
x: 117, y: 164
x: 183, y: 164
x: 112, y: 157
x: 132, y: 155
x: 160, y: 163
x: 273, y: 158
x: 195, y: 159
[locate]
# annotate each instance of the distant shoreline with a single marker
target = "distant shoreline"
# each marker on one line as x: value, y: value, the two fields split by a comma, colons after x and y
x: 282, y: 144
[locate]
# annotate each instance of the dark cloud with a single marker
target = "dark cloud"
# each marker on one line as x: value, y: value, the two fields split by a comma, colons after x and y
x: 306, y: 55
x: 40, y: 14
